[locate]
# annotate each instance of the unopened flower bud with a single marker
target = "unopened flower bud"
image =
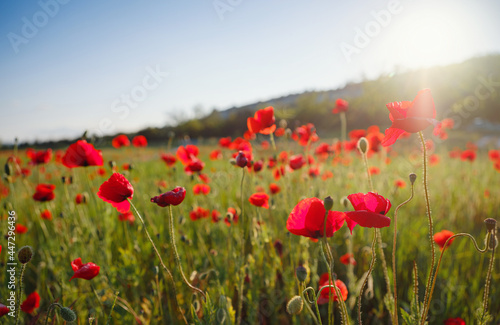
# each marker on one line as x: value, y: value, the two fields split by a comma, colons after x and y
x: 363, y: 145
x: 344, y: 201
x: 112, y: 164
x: 8, y: 169
x: 294, y: 306
x: 283, y: 124
x: 301, y: 273
x: 67, y: 314
x: 25, y: 254
x: 413, y: 177
x: 328, y: 201
x: 241, y: 160
x: 490, y: 224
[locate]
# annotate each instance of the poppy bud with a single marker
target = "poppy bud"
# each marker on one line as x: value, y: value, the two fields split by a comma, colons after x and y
x: 490, y: 224
x: 301, y: 273
x: 283, y: 124
x: 288, y: 133
x: 363, y: 145
x: 413, y: 177
x: 112, y: 164
x: 294, y: 306
x: 328, y: 202
x: 344, y: 201
x: 67, y: 314
x: 63, y: 179
x: 241, y: 160
x: 25, y: 254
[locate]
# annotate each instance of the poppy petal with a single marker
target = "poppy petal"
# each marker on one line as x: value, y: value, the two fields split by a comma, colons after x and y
x: 391, y: 135
x: 369, y: 219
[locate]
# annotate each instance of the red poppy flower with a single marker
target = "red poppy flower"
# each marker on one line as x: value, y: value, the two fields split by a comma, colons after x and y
x: 370, y: 210
x: 86, y: 271
x: 278, y: 172
x: 441, y: 237
x: 46, y: 215
x: 400, y: 183
x: 305, y: 134
x: 44, y: 192
x: 279, y: 132
x: 262, y: 122
x: 225, y: 142
x: 215, y: 216
x: 341, y: 105
x: 187, y: 154
x: 313, y: 172
x: 199, y: 213
x: 274, y: 188
x: 433, y: 159
x: 139, y: 141
x: 455, y: 153
x: 325, y: 294
x: 231, y: 216
x: 127, y: 216
x: 494, y: 155
x: 21, y: 229
x: 264, y: 145
x: 241, y: 159
x: 204, y: 178
x: 39, y: 157
x: 454, y: 321
x: 308, y: 216
x: 120, y: 141
x: 347, y: 259
x: 357, y: 134
x: 215, y: 154
x: 374, y: 170
x: 323, y: 150
x: 259, y: 199
x: 169, y: 159
x: 326, y: 175
x: 297, y: 161
x: 4, y: 310
x: 258, y: 165
x: 31, y: 303
x: 469, y: 155
x: 80, y: 198
x: 249, y: 135
x: 116, y: 190
x: 201, y: 189
x: 411, y: 117
x: 101, y: 171
x: 195, y: 165
x: 82, y: 154
x: 173, y: 197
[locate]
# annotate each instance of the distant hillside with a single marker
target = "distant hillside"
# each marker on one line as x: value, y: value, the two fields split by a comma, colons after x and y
x: 468, y: 92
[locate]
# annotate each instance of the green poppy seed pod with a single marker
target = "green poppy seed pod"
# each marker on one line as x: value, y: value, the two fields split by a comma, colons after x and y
x: 67, y: 314
x: 288, y: 133
x: 490, y: 224
x: 413, y: 177
x: 328, y: 201
x: 344, y: 201
x: 294, y: 306
x: 25, y: 254
x: 301, y: 273
x: 232, y: 161
x: 112, y: 164
x: 283, y: 124
x: 363, y: 145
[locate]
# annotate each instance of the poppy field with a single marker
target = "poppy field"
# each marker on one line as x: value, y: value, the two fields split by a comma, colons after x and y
x: 277, y: 226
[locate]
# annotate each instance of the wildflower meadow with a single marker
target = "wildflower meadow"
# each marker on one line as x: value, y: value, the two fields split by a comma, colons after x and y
x: 277, y: 226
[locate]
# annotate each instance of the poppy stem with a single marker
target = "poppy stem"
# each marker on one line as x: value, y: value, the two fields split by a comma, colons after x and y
x: 49, y: 310
x: 368, y: 273
x: 272, y: 141
x: 343, y: 125
x: 176, y: 254
x: 305, y: 296
x: 18, y: 307
x: 395, y: 319
x: 169, y: 274
x: 427, y: 303
x: 431, y: 229
x: 490, y: 269
x: 242, y: 269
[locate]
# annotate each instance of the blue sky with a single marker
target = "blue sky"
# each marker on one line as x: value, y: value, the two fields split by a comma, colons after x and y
x: 119, y: 66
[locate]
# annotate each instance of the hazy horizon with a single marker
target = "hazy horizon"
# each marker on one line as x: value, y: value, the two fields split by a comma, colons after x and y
x: 116, y: 66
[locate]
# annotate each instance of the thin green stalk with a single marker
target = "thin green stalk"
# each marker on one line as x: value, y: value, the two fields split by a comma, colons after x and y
x: 488, y: 275
x: 272, y: 141
x: 343, y: 125
x: 176, y: 254
x: 431, y: 229
x: 243, y: 243
x: 19, y: 298
x: 308, y: 302
x: 50, y: 309
x: 372, y: 263
x: 169, y: 274
x: 395, y: 320
x: 427, y: 303
x: 112, y: 307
